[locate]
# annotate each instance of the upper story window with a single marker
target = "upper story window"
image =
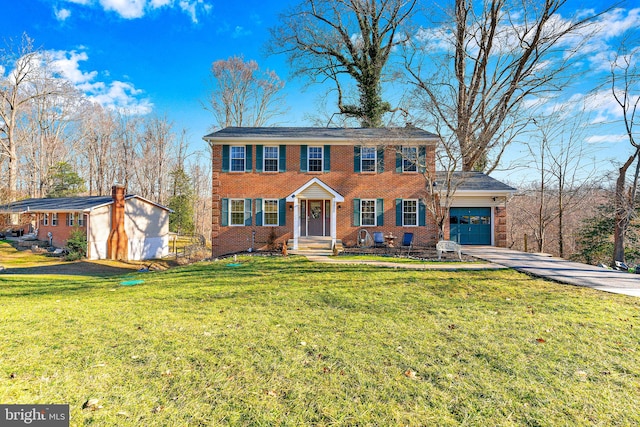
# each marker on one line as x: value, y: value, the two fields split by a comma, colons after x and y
x: 237, y: 158
x: 270, y: 155
x: 315, y: 159
x: 368, y: 159
x: 409, y: 212
x: 409, y: 159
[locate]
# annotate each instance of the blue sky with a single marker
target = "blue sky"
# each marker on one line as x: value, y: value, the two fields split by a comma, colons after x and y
x: 153, y: 56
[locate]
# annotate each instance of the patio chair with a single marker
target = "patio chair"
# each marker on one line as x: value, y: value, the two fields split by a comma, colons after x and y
x: 378, y: 240
x: 407, y: 242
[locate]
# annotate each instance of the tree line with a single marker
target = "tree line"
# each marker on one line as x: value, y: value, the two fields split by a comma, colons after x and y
x: 55, y: 142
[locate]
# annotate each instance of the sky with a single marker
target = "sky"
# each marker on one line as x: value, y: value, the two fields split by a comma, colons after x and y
x: 154, y: 56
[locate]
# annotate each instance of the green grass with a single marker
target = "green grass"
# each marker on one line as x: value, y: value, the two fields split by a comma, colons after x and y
x: 288, y: 342
x: 9, y: 256
x: 400, y: 259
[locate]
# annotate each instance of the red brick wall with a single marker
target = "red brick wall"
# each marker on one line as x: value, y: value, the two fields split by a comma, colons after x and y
x: 388, y: 185
x: 60, y: 232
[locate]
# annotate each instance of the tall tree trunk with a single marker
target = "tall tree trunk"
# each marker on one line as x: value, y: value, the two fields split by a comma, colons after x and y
x: 624, y: 205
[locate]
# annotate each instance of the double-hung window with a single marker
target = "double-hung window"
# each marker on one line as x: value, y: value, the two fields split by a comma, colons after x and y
x: 270, y: 212
x: 45, y: 219
x: 368, y: 159
x: 80, y: 219
x: 409, y: 159
x: 237, y: 158
x: 71, y: 219
x: 409, y: 212
x: 236, y: 212
x: 271, y: 155
x: 315, y: 159
x: 368, y: 212
x: 54, y: 219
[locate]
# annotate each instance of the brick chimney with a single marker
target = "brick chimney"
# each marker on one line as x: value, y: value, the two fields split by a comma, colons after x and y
x: 118, y: 243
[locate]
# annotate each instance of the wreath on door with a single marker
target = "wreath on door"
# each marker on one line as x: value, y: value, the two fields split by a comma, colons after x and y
x: 315, y: 212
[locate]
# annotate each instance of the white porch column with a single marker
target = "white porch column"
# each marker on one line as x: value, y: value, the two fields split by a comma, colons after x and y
x: 334, y: 213
x: 296, y: 223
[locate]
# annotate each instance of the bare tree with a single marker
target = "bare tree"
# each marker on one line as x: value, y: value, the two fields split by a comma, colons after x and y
x: 497, y: 55
x: 99, y: 131
x: 18, y: 90
x: 153, y: 156
x: 48, y: 131
x: 242, y: 95
x: 625, y: 89
x: 331, y: 40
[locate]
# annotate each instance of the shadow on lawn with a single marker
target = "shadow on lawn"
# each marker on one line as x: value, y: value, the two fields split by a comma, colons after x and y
x: 79, y: 268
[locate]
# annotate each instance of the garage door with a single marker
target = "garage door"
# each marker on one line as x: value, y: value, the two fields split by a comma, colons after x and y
x: 470, y: 226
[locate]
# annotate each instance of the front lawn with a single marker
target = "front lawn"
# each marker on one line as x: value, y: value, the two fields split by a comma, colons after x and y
x: 284, y: 341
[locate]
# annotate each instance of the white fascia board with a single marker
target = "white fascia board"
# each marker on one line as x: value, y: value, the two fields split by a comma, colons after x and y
x: 320, y: 141
x: 337, y: 196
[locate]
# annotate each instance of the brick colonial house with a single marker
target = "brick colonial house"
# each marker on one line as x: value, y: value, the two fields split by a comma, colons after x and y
x: 294, y: 184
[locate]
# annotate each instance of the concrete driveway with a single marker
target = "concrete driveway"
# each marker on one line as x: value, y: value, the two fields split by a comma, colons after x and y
x: 560, y: 270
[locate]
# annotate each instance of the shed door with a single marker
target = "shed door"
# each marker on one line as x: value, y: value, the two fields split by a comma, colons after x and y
x: 470, y: 226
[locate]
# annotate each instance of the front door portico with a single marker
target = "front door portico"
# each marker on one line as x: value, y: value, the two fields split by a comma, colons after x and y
x: 314, y: 211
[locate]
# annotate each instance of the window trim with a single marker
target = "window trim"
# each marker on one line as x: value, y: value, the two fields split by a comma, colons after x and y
x: 414, y: 165
x: 231, y: 212
x: 375, y: 212
x: 321, y: 158
x: 416, y: 212
x: 264, y: 212
x: 362, y: 159
x: 264, y: 158
x: 244, y: 158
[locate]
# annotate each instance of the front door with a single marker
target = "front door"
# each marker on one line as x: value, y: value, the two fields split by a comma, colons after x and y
x: 315, y: 217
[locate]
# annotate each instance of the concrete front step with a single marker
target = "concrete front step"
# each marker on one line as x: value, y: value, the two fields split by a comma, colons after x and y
x: 314, y: 246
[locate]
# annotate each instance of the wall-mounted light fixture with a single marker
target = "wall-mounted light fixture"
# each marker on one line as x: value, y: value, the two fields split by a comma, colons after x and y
x: 291, y: 208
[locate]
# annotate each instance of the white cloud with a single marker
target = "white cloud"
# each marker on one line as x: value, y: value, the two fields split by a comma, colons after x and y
x: 62, y: 14
x: 599, y: 139
x: 121, y: 96
x: 68, y: 64
x: 134, y: 9
x: 115, y: 94
x: 128, y: 9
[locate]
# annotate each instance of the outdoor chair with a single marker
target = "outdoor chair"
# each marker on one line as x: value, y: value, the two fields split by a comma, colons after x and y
x: 378, y: 240
x: 407, y: 242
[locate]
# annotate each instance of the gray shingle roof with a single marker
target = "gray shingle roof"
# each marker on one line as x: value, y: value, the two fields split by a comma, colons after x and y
x: 475, y: 181
x: 68, y: 204
x: 321, y: 133
x: 65, y: 204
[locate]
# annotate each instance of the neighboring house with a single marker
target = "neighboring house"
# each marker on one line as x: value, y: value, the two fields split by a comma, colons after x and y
x: 125, y: 227
x: 301, y: 185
